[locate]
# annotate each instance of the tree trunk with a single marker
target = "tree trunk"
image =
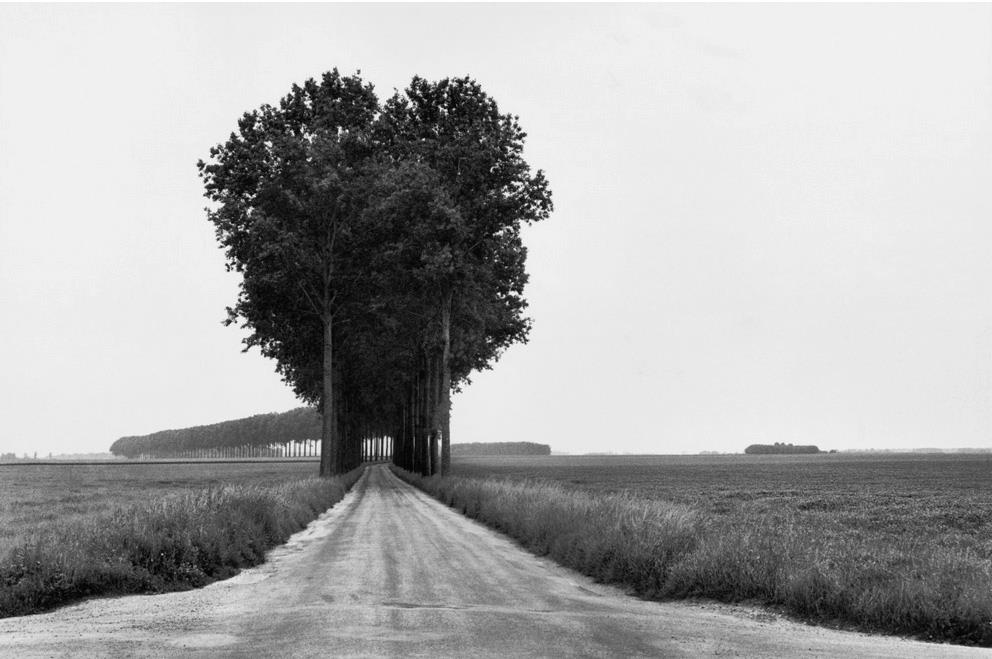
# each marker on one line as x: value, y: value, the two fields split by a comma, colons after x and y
x: 341, y: 437
x: 329, y: 463
x: 413, y: 427
x: 445, y: 400
x: 430, y: 390
x: 418, y: 424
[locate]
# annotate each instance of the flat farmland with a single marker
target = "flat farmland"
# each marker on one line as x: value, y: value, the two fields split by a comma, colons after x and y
x: 886, y: 542
x: 944, y: 499
x: 37, y: 497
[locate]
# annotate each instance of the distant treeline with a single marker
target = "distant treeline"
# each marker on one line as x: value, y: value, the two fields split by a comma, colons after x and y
x: 293, y: 433
x: 924, y: 450
x: 286, y: 434
x: 500, y: 448
x: 779, y: 448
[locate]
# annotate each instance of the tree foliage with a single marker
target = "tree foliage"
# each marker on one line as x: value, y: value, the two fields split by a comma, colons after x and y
x: 381, y: 251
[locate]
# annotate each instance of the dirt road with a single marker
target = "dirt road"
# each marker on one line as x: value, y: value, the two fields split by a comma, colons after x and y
x: 390, y: 571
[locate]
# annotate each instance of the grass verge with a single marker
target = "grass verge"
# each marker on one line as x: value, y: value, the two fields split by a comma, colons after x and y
x: 176, y: 543
x: 667, y: 550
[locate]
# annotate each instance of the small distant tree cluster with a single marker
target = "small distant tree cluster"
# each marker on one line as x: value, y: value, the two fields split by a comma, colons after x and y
x: 380, y: 250
x: 779, y: 448
x: 287, y: 430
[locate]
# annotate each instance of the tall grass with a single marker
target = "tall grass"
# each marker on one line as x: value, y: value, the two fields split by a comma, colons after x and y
x: 667, y: 550
x: 176, y: 543
x: 35, y: 498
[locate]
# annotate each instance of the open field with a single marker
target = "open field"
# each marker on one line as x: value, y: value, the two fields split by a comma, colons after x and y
x: 940, y: 499
x: 897, y: 543
x: 390, y: 572
x: 36, y: 497
x: 118, y: 529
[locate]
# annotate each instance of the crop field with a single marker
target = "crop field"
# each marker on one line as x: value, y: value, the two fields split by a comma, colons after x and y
x: 72, y: 531
x: 889, y: 542
x: 895, y: 543
x: 936, y: 499
x: 36, y: 497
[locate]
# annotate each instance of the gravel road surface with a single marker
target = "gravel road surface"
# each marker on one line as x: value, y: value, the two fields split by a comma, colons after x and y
x: 390, y: 571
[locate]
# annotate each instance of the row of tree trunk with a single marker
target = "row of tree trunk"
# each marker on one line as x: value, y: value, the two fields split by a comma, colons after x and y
x: 373, y: 449
x: 422, y: 438
x: 376, y: 449
x: 300, y: 449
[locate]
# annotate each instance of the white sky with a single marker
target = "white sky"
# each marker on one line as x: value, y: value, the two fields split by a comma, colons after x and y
x: 773, y: 222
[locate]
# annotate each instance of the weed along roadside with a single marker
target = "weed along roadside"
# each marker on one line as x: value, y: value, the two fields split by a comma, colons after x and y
x: 667, y: 551
x: 179, y: 542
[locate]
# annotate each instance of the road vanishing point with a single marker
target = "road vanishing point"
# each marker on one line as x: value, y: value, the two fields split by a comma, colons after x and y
x: 390, y: 571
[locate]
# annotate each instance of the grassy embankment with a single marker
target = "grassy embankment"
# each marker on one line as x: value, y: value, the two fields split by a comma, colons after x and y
x: 807, y: 555
x: 37, y: 497
x: 180, y: 541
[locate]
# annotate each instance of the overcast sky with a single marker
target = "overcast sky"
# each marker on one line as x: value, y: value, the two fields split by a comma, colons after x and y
x: 773, y: 223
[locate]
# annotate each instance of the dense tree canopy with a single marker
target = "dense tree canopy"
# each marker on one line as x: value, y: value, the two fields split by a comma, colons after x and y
x: 380, y: 250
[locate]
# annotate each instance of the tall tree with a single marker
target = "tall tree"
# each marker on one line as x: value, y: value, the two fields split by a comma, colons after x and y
x: 288, y: 188
x: 415, y: 223
x: 457, y: 131
x: 381, y: 251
